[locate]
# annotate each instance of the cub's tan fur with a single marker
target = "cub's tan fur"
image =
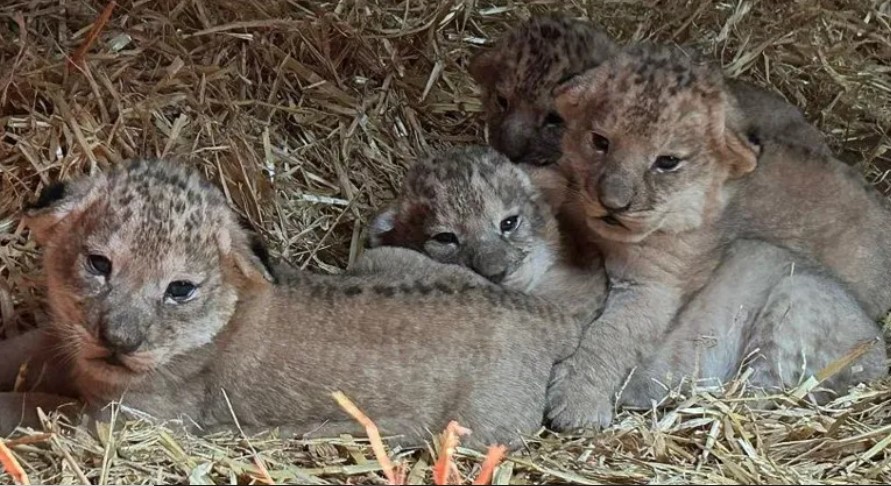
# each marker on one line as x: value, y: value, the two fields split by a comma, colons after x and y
x: 734, y: 316
x: 662, y: 180
x: 413, y: 351
x: 788, y: 317
x: 469, y: 193
x: 519, y: 73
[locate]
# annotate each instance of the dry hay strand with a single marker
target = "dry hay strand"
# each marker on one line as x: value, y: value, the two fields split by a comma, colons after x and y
x: 710, y: 436
x: 307, y: 113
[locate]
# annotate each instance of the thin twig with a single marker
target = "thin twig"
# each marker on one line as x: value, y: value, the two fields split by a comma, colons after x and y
x: 92, y: 35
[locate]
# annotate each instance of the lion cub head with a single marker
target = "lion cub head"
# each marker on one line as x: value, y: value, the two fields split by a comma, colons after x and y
x: 472, y: 207
x: 143, y: 264
x: 652, y: 135
x: 518, y: 75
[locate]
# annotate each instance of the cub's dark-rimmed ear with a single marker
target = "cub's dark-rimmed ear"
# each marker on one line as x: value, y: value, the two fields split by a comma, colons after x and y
x: 60, y: 201
x: 567, y: 79
x: 381, y: 226
x: 742, y: 154
x: 240, y: 247
x: 570, y: 94
x: 50, y: 195
x: 485, y: 67
x: 739, y: 148
x: 258, y: 247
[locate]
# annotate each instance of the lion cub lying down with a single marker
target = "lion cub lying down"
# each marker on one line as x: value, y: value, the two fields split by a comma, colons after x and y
x: 663, y: 180
x: 472, y: 207
x: 159, y: 299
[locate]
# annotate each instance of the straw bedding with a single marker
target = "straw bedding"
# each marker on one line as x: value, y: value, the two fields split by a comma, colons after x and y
x: 307, y: 114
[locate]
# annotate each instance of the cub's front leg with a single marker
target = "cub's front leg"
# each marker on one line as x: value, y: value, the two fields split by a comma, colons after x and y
x: 583, y: 387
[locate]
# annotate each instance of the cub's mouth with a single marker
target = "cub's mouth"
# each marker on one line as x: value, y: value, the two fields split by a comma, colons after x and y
x: 116, y: 361
x: 112, y: 363
x: 611, y: 220
x: 627, y: 228
x: 101, y: 363
x: 126, y: 364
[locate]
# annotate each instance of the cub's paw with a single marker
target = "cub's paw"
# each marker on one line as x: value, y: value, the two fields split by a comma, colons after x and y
x: 576, y: 401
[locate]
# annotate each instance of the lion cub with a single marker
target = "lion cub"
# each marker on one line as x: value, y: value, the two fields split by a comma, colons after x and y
x: 663, y: 179
x: 472, y: 207
x: 160, y: 298
x: 519, y: 73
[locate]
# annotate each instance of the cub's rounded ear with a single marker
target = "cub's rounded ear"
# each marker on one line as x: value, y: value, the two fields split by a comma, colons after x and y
x: 572, y: 91
x: 738, y: 147
x: 247, y: 252
x: 381, y: 225
x: 551, y: 184
x: 59, y: 201
x: 485, y: 67
x: 742, y: 153
x: 49, y: 196
x: 258, y: 247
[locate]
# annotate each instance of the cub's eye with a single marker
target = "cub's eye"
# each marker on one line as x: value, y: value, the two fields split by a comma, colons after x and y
x: 600, y: 143
x: 553, y: 120
x: 666, y: 163
x: 446, y: 238
x: 181, y: 291
x: 502, y: 102
x: 99, y: 265
x: 510, y: 224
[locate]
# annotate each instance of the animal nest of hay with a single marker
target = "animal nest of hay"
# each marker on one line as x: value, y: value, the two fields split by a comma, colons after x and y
x: 307, y: 114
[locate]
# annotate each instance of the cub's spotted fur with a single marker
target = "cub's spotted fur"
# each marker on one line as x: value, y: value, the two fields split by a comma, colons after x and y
x: 471, y: 207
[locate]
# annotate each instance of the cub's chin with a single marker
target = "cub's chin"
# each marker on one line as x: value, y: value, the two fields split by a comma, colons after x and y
x: 115, y: 370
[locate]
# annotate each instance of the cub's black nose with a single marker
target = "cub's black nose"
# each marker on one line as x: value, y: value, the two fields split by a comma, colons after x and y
x: 120, y: 341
